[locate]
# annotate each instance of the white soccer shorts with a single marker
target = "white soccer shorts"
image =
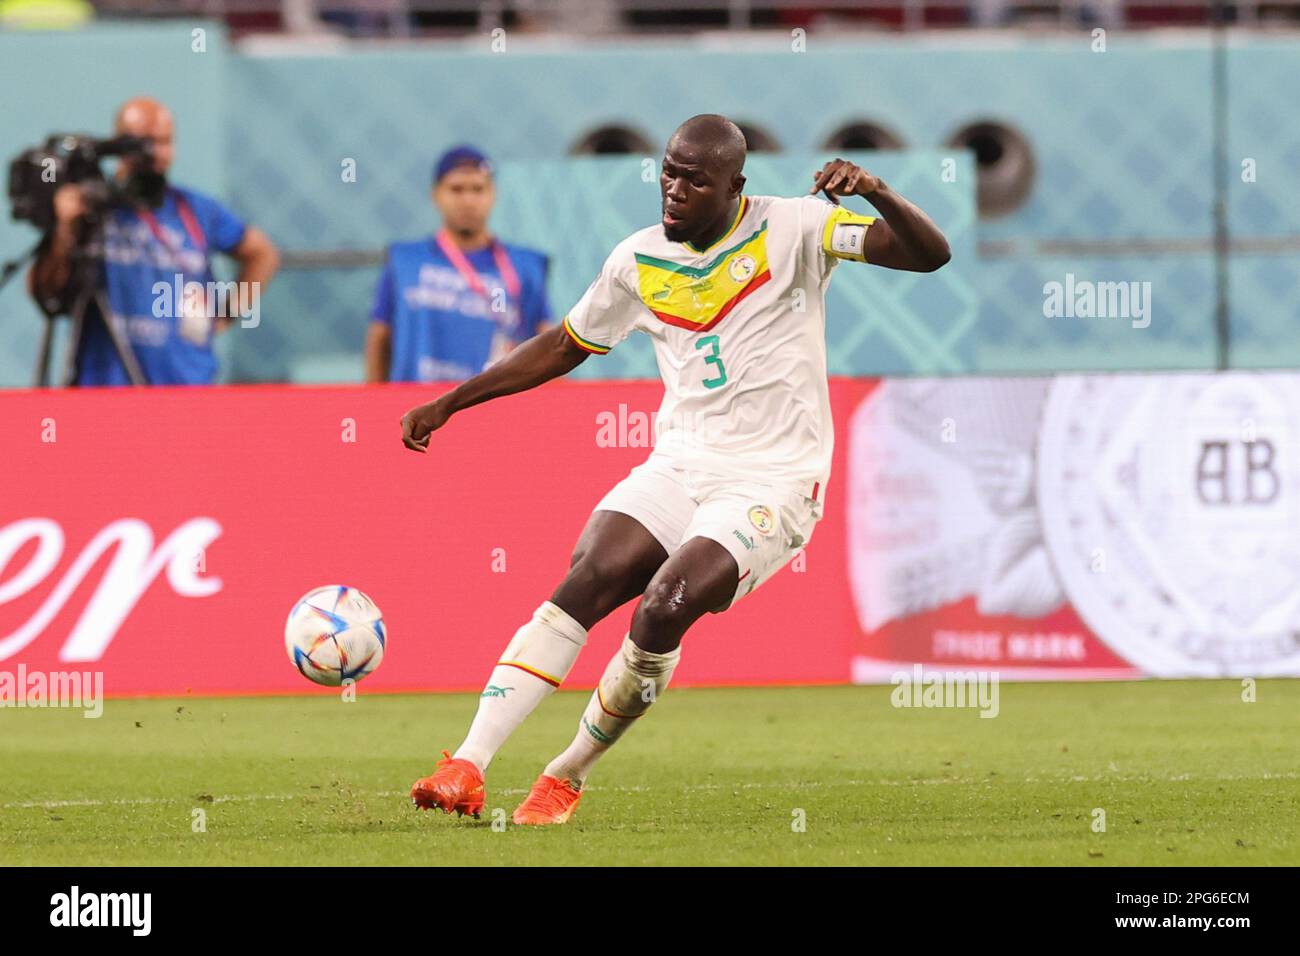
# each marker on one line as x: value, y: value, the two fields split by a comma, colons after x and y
x: 762, y: 526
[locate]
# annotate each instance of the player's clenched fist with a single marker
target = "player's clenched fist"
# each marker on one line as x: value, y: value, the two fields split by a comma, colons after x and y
x: 839, y: 177
x: 421, y: 422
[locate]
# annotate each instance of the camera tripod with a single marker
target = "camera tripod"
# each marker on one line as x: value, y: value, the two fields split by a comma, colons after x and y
x: 84, y: 283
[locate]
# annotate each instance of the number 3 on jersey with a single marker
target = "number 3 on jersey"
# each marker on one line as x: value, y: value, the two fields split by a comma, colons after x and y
x: 711, y: 342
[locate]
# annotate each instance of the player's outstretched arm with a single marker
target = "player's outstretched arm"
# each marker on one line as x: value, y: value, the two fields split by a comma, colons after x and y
x: 540, y: 359
x: 904, y: 237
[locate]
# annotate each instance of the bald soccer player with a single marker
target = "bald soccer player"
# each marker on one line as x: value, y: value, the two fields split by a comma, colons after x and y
x: 159, y: 242
x: 731, y: 289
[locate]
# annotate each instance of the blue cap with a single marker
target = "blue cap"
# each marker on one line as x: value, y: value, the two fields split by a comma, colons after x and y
x: 459, y: 156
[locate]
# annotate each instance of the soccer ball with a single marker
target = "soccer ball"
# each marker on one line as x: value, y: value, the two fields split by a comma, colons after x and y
x: 335, y: 634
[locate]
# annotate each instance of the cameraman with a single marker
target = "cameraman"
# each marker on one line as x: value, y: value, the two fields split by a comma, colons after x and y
x: 163, y: 238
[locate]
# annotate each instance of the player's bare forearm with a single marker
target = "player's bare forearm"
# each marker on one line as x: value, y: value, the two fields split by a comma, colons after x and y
x: 535, y: 362
x: 913, y: 242
x: 904, y: 237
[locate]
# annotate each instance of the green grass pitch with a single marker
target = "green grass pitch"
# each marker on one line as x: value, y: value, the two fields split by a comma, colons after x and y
x: 1185, y: 772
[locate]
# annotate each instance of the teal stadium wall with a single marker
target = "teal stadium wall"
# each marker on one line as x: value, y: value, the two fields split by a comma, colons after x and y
x: 1122, y: 142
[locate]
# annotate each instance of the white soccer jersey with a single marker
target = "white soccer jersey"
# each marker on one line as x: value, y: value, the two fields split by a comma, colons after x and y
x: 739, y: 333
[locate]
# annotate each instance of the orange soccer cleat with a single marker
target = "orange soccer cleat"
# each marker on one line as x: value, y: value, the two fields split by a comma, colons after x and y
x: 455, y: 785
x: 550, y: 801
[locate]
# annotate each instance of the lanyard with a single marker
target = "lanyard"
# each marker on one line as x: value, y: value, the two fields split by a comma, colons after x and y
x: 470, y: 274
x: 195, y: 323
x: 188, y: 220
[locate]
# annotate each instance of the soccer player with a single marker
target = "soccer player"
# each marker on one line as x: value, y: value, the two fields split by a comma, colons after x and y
x: 731, y: 289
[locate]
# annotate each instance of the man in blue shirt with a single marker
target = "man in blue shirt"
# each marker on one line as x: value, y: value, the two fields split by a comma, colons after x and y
x: 157, y: 270
x: 448, y: 306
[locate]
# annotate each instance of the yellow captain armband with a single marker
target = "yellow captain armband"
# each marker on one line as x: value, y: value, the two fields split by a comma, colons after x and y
x: 845, y: 235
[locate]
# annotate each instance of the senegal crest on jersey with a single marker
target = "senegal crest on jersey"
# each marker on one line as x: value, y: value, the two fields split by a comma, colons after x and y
x: 699, y: 297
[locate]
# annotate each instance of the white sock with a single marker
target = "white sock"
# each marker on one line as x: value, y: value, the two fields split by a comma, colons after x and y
x: 534, y: 663
x: 633, y: 680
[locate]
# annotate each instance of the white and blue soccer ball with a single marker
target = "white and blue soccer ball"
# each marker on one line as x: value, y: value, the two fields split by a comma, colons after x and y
x: 335, y: 634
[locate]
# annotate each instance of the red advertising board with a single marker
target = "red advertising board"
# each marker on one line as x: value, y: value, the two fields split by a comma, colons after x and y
x: 162, y: 536
x: 1043, y: 528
